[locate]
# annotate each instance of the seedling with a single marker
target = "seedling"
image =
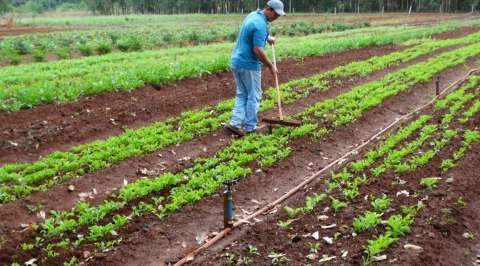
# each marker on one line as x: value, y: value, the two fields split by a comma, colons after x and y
x: 284, y: 224
x: 367, y: 221
x: 314, y: 247
x: 244, y: 260
x: 292, y: 212
x: 429, y: 182
x: 447, y: 165
x: 230, y: 259
x: 26, y: 246
x: 278, y: 258
x: 337, y: 204
x: 71, y: 262
x: 399, y: 225
x: 379, y: 244
x: 381, y: 204
x: 252, y: 250
x: 461, y: 202
x: 34, y: 208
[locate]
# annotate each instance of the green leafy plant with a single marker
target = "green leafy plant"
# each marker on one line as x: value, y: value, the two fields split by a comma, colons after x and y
x: 429, y: 182
x: 367, y: 221
x: 379, y: 244
x: 39, y: 55
x: 278, y: 258
x: 338, y: 204
x: 381, y: 204
x: 104, y: 48
x: 85, y: 49
x: 399, y: 225
x: 252, y: 250
x: 231, y: 259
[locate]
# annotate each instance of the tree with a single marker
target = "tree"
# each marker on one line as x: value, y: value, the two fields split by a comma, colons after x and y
x: 33, y: 7
x: 117, y: 7
x: 4, y: 6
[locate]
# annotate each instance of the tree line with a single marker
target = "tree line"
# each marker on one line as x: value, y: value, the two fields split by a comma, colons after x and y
x: 117, y: 7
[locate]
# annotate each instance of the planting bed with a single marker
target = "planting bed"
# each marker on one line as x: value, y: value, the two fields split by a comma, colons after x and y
x: 440, y: 230
x: 90, y: 181
x: 28, y: 134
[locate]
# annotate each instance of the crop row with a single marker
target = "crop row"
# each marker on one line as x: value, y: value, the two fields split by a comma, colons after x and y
x: 208, y: 174
x: 343, y: 182
x: 64, y: 81
x: 100, y: 42
x: 23, y: 179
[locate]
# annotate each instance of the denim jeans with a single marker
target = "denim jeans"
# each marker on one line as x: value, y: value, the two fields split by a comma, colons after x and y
x: 247, y: 101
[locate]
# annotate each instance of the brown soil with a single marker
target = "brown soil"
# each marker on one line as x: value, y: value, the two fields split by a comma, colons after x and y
x: 21, y: 30
x: 438, y: 228
x: 58, y: 127
x: 49, y: 128
x: 442, y: 239
x: 176, y: 235
x: 108, y: 180
x: 184, y: 226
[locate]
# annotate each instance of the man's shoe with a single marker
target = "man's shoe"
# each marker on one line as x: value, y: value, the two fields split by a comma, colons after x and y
x: 235, y: 130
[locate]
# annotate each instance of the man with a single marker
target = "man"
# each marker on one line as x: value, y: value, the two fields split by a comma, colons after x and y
x: 246, y: 66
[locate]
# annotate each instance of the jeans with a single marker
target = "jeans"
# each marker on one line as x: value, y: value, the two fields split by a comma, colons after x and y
x: 247, y: 101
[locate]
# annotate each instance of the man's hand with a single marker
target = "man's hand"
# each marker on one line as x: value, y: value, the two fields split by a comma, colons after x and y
x: 273, y: 70
x: 271, y: 40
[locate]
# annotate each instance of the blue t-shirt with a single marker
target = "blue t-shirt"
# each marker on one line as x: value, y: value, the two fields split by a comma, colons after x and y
x: 253, y: 33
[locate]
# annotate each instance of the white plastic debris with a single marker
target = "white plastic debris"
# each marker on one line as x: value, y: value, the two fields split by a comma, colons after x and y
x: 329, y: 226
x: 42, y: 215
x: 322, y: 217
x: 403, y: 193
x: 380, y: 258
x: 30, y: 262
x: 316, y: 235
x: 412, y: 247
x: 326, y: 258
x: 24, y: 225
x: 14, y: 144
x: 256, y: 201
x: 328, y: 240
x: 467, y: 235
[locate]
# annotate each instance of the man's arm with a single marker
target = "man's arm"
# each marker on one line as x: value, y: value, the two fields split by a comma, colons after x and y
x: 262, y: 56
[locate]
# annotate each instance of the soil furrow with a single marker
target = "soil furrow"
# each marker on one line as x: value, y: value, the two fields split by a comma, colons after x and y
x: 28, y: 134
x: 267, y: 236
x: 176, y: 235
x: 261, y: 235
x: 172, y: 158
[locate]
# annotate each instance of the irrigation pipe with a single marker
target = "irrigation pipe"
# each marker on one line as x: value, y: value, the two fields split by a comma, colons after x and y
x: 190, y: 257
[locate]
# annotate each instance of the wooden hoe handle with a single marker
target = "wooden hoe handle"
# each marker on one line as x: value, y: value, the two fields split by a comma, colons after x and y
x: 279, y: 100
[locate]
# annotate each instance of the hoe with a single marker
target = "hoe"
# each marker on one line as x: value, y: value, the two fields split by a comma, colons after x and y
x: 280, y: 120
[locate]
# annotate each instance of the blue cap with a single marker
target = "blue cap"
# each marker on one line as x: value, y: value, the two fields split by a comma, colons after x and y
x: 277, y: 5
